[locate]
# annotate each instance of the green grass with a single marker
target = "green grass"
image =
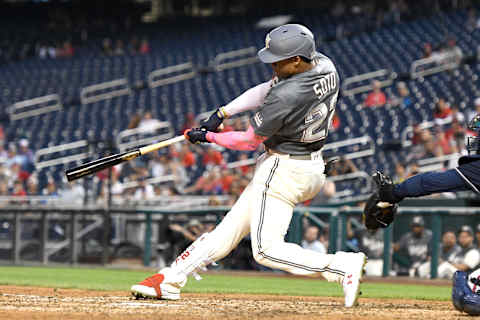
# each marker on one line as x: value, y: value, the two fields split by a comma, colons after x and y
x: 108, y: 279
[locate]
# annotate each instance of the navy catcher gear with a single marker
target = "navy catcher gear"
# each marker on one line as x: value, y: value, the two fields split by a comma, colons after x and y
x: 462, y: 296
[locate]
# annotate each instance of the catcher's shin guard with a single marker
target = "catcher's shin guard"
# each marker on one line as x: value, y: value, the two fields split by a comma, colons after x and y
x: 462, y: 296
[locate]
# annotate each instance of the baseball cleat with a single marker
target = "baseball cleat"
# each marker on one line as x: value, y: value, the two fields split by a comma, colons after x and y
x: 154, y: 288
x: 352, y: 279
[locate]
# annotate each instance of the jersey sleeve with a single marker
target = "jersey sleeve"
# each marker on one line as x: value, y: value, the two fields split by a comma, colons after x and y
x: 270, y: 116
x: 472, y: 258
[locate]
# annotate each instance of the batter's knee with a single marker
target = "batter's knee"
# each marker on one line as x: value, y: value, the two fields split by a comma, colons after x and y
x: 259, y: 257
x: 260, y: 254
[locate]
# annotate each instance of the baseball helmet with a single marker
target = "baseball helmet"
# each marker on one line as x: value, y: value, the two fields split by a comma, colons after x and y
x: 288, y: 41
x: 473, y: 142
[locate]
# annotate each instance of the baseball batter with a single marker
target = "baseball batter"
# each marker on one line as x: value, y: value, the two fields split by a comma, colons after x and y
x: 293, y: 113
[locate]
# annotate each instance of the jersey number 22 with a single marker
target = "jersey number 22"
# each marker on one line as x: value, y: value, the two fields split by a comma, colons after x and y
x: 319, y: 118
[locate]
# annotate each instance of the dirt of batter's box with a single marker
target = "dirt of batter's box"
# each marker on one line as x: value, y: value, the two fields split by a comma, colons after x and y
x: 47, y: 303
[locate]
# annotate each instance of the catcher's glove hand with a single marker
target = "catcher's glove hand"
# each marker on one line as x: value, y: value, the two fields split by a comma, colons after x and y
x: 378, y: 214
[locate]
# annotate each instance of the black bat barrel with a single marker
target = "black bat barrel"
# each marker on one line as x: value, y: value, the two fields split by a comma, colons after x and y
x: 100, y: 164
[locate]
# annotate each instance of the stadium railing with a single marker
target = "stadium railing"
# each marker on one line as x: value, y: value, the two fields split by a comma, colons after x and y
x: 335, y: 219
x: 35, y: 107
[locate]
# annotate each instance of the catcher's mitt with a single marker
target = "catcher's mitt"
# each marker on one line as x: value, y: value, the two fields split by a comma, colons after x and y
x: 378, y: 214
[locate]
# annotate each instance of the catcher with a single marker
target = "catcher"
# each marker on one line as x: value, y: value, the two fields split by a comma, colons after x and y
x: 382, y: 205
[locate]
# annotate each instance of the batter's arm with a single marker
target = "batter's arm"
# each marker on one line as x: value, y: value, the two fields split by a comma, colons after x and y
x: 237, y: 140
x: 249, y: 100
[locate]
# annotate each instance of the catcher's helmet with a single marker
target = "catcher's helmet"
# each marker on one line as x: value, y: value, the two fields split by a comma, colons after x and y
x: 288, y: 41
x: 473, y: 142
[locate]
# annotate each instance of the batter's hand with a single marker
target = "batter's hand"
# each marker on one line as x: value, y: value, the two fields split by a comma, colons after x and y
x: 196, y: 135
x: 214, y: 121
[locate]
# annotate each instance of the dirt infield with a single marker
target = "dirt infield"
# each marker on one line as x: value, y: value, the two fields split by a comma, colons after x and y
x: 47, y: 303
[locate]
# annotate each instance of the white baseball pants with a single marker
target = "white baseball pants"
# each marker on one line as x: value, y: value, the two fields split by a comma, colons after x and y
x: 265, y: 209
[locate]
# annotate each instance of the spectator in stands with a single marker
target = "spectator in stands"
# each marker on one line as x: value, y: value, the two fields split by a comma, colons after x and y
x: 457, y: 115
x: 66, y: 50
x: 431, y: 148
x: 454, y: 53
x: 376, y: 98
x: 133, y: 45
x: 456, y: 135
x: 148, y: 123
x: 442, y: 113
x: 449, y: 251
x: 3, y: 152
x: 3, y: 190
x: 472, y: 22
x: 310, y: 240
x: 50, y: 189
x: 468, y: 258
x: 26, y: 156
x: 119, y: 48
x: 476, y: 110
x: 400, y: 173
x: 246, y: 168
x: 17, y: 173
x: 178, y: 171
x: 12, y: 156
x: 187, y: 157
x: 18, y: 190
x: 144, y: 191
x: 134, y: 121
x: 107, y: 47
x: 144, y: 47
x: 226, y: 179
x: 42, y: 51
x: 412, y: 248
x: 158, y: 166
x: 343, y: 166
x: 32, y: 186
x: 73, y: 193
x: 52, y: 51
x: 442, y: 141
x: 212, y: 157
x: 427, y: 50
x: 403, y: 99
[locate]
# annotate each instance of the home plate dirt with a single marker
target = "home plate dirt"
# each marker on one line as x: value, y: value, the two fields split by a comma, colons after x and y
x: 47, y: 303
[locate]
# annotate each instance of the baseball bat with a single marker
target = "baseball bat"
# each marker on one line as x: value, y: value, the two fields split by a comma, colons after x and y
x: 110, y: 161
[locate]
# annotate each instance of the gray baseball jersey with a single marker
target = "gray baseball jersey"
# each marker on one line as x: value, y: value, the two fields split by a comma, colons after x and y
x: 469, y: 256
x: 417, y: 248
x: 297, y: 111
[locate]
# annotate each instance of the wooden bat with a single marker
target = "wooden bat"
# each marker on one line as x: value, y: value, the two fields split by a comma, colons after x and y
x: 110, y: 161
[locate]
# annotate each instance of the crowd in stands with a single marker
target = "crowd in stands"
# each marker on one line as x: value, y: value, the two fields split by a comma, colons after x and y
x: 63, y: 31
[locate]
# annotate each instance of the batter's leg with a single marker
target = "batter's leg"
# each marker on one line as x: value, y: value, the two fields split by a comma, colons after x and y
x: 271, y: 216
x: 210, y: 247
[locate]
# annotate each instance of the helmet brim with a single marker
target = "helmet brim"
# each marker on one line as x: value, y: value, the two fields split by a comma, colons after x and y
x: 266, y: 56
